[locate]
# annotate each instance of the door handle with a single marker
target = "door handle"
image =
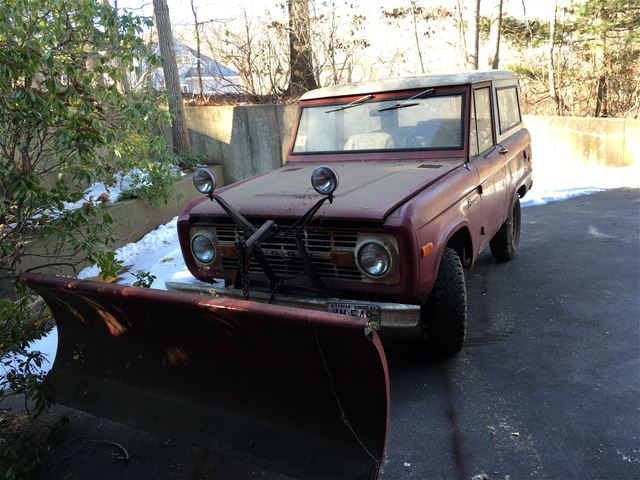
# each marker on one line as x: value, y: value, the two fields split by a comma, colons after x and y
x: 502, y: 150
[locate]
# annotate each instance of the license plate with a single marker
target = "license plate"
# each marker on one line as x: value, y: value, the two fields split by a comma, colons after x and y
x: 367, y: 311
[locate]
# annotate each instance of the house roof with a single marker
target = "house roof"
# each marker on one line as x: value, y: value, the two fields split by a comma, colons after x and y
x: 210, y: 68
x: 407, y: 83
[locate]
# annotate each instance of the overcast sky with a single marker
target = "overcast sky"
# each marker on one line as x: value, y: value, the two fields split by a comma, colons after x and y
x: 180, y: 10
x: 392, y: 47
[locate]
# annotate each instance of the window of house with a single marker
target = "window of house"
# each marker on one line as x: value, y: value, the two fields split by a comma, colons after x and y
x: 508, y: 108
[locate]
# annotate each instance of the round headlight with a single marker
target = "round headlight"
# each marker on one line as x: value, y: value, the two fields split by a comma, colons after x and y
x: 203, y: 249
x: 324, y: 180
x: 374, y: 259
x: 204, y: 181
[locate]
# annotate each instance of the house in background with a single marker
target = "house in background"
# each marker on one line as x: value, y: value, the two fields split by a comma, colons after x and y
x: 216, y: 78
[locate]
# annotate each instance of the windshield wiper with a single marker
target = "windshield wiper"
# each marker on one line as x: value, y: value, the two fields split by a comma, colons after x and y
x: 405, y: 103
x: 355, y: 103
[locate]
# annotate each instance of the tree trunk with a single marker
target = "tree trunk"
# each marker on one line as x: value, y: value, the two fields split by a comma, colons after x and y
x: 474, y: 38
x: 171, y: 78
x: 601, y: 97
x: 415, y: 34
x: 301, y: 63
x: 601, y: 66
x: 494, y: 35
x: 199, y: 63
x: 553, y: 93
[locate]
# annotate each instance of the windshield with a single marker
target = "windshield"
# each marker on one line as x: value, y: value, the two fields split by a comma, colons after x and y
x: 432, y: 123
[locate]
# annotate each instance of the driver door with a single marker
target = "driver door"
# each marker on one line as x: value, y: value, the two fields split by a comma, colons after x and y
x: 487, y: 159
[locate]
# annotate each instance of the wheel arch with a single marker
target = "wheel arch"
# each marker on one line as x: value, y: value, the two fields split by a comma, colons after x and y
x: 522, y: 191
x: 459, y: 238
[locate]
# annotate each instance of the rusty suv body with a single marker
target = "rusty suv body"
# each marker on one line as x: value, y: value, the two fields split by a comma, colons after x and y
x: 425, y: 164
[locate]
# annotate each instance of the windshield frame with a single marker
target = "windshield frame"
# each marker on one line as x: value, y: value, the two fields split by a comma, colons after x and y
x: 385, y: 154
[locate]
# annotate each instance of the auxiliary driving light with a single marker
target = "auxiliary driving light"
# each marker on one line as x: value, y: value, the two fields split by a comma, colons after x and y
x: 204, y: 181
x: 324, y: 180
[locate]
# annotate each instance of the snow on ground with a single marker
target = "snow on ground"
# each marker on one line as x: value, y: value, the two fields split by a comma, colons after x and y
x: 158, y: 252
x: 552, y: 184
x: 93, y: 192
x: 47, y: 345
x: 122, y: 184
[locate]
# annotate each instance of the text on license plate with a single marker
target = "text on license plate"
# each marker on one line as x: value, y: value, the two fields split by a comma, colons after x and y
x: 366, y: 311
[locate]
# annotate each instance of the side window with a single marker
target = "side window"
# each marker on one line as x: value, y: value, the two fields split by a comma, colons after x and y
x: 473, y: 133
x: 482, y: 109
x: 508, y: 108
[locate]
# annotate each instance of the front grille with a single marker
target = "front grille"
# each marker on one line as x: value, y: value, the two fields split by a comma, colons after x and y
x: 282, y: 253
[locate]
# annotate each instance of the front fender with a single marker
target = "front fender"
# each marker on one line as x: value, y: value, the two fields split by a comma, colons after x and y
x: 438, y: 232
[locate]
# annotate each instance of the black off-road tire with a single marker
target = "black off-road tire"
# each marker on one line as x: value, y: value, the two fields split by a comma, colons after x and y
x: 504, y: 243
x: 444, y: 314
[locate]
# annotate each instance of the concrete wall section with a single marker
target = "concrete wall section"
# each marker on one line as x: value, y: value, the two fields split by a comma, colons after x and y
x: 245, y: 140
x: 132, y: 219
x: 249, y: 140
x: 135, y: 218
x: 580, y: 141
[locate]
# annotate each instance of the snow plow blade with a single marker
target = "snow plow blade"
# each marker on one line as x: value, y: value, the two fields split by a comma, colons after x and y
x: 302, y: 392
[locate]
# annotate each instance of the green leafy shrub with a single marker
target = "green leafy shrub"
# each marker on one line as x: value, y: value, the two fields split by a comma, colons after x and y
x: 144, y: 279
x: 67, y: 119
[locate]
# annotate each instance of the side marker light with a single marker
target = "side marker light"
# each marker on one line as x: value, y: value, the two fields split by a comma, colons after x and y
x: 426, y: 250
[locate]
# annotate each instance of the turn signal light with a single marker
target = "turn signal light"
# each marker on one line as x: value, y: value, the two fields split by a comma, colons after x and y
x: 426, y: 250
x: 228, y: 251
x: 341, y: 258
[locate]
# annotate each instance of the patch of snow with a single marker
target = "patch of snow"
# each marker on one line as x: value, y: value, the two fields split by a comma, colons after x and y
x: 554, y: 185
x: 47, y: 345
x: 158, y: 253
x: 92, y: 193
x: 123, y: 183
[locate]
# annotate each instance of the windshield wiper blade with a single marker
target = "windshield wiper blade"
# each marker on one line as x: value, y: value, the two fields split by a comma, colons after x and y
x: 355, y: 103
x: 405, y: 103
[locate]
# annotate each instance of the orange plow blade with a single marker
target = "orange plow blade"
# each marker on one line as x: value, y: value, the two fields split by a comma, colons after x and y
x: 302, y: 392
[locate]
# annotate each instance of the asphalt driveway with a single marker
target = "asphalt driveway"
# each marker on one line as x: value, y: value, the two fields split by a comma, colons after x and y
x: 548, y: 386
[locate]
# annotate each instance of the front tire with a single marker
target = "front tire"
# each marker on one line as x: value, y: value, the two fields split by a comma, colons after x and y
x: 444, y: 314
x: 504, y: 243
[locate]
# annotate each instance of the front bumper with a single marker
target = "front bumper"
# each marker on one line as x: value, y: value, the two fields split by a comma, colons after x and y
x: 392, y: 315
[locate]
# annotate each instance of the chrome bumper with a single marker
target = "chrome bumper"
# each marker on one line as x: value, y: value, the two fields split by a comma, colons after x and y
x: 392, y: 315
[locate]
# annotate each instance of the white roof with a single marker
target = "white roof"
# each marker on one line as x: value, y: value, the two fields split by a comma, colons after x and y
x: 407, y: 83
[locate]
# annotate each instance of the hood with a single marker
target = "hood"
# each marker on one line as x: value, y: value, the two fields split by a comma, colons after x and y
x: 367, y: 191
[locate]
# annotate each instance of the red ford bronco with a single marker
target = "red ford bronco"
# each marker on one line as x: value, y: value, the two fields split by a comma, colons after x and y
x: 430, y: 169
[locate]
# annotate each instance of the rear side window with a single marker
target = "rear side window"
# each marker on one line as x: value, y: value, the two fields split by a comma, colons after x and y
x: 480, y: 131
x: 508, y: 108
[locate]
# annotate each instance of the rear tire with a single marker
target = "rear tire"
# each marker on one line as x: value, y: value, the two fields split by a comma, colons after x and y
x: 504, y: 243
x: 444, y: 314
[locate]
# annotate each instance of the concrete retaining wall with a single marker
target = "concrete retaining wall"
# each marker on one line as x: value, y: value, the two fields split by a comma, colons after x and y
x: 132, y: 220
x: 579, y: 141
x: 248, y: 140
x: 245, y: 140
